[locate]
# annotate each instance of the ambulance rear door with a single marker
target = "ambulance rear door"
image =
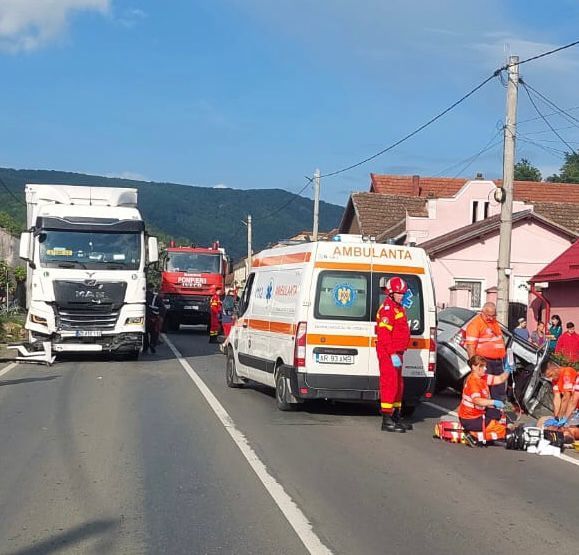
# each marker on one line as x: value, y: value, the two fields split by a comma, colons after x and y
x: 339, y: 329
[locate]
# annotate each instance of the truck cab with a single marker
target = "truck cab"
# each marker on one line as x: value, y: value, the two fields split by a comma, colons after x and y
x: 191, y: 275
x: 87, y: 251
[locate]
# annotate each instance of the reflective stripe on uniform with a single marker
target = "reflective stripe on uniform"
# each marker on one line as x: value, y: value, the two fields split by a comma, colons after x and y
x: 387, y: 405
x: 389, y: 327
x: 399, y: 315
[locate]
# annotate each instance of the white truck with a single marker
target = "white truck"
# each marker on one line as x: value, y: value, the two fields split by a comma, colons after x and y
x: 87, y: 250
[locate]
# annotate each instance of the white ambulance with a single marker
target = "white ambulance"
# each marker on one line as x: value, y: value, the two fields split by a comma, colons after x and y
x: 305, y: 322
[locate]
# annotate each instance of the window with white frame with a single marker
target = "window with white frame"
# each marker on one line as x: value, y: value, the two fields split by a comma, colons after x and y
x: 475, y: 288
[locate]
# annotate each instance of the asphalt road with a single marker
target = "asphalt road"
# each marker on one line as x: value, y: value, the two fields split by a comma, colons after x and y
x: 128, y: 457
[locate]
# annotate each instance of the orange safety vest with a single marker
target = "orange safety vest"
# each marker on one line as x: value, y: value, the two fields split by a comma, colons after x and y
x: 486, y: 337
x: 474, y: 388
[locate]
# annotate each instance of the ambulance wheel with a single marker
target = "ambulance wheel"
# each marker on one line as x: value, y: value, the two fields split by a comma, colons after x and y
x: 283, y: 393
x: 231, y: 377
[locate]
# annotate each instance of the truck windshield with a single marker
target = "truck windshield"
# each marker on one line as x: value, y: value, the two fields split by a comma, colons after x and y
x: 88, y: 249
x: 194, y: 263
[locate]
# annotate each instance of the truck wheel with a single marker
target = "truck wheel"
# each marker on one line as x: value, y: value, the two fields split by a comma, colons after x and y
x: 407, y: 411
x: 133, y: 355
x: 283, y: 394
x: 231, y: 377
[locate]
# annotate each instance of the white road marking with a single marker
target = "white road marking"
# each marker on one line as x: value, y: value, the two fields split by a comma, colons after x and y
x: 287, y: 506
x: 563, y: 457
x: 8, y: 368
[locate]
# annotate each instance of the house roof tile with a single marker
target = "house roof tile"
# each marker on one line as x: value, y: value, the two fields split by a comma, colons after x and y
x: 377, y: 213
x: 564, y: 268
x: 444, y: 187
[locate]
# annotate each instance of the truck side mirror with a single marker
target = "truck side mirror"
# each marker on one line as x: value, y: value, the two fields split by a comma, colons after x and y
x: 153, y: 250
x: 25, y: 251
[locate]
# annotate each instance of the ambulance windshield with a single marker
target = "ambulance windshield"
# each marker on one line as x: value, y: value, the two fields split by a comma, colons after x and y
x: 357, y: 295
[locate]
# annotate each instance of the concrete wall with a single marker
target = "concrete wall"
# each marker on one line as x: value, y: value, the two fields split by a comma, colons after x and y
x: 533, y: 247
x: 9, y: 247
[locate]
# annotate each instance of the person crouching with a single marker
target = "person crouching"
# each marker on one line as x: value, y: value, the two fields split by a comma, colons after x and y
x: 479, y: 414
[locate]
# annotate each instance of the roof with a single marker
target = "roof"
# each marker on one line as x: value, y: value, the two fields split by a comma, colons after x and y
x: 564, y: 268
x: 486, y: 227
x: 376, y: 212
x: 566, y: 215
x: 445, y: 187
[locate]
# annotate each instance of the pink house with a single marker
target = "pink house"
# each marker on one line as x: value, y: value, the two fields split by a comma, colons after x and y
x: 555, y: 289
x: 457, y: 222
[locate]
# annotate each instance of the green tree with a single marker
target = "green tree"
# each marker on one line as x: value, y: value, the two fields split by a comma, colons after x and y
x: 569, y: 170
x: 525, y: 171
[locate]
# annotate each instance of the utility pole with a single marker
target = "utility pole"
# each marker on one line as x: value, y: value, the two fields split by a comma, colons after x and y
x: 504, y: 262
x: 316, y: 204
x: 249, y: 230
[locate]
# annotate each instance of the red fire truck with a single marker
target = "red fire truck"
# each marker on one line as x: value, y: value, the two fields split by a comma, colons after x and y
x: 190, y: 276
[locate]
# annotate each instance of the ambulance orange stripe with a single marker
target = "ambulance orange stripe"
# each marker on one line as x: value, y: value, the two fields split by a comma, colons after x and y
x: 274, y: 327
x: 358, y: 341
x: 293, y: 258
x: 370, y: 267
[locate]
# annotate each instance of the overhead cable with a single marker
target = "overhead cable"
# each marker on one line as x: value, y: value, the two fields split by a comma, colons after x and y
x: 548, y: 123
x: 20, y: 201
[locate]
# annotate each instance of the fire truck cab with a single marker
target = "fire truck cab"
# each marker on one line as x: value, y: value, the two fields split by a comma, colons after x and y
x: 191, y: 275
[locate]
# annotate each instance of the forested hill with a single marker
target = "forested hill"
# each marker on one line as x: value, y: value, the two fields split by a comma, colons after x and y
x: 195, y: 214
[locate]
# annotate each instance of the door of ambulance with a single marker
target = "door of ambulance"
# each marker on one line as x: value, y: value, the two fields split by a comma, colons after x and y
x: 340, y: 329
x: 242, y: 327
x: 416, y: 357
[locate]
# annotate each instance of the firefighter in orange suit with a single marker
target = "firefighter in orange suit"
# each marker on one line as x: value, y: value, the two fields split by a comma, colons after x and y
x: 393, y: 336
x: 215, y: 313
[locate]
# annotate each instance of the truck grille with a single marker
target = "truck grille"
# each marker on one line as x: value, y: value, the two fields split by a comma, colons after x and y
x: 71, y: 319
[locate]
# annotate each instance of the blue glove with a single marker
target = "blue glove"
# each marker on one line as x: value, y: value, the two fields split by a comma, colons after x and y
x: 508, y: 368
x: 562, y: 422
x: 498, y: 404
x: 396, y: 361
x: 551, y: 422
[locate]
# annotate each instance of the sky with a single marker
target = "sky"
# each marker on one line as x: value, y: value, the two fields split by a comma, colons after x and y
x: 260, y: 93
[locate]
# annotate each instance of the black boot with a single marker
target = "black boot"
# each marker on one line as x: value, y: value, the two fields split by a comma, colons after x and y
x: 397, y: 417
x: 389, y: 425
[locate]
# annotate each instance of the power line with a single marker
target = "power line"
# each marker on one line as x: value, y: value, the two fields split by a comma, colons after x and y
x: 554, y: 151
x: 568, y: 116
x: 548, y: 53
x: 285, y: 204
x: 11, y: 193
x: 471, y: 159
x: 543, y: 131
x: 544, y: 118
x: 562, y: 110
x: 418, y: 129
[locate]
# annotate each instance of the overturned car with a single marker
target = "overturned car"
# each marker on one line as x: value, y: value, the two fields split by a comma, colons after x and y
x: 527, y: 388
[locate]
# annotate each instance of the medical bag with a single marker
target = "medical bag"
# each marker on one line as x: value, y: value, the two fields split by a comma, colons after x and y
x: 449, y: 430
x: 555, y: 437
x: 523, y: 437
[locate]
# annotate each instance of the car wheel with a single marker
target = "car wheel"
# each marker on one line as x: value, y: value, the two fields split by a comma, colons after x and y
x: 231, y: 377
x: 282, y: 394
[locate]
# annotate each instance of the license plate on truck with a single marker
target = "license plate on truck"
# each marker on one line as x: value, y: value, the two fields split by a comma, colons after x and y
x: 88, y: 333
x: 326, y: 358
x: 191, y: 307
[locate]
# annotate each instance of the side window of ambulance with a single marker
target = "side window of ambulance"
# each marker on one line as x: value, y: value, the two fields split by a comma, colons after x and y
x: 342, y: 296
x: 246, y: 295
x: 413, y: 301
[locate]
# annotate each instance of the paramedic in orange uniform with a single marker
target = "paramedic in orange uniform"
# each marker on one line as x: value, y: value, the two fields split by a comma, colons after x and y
x: 565, y: 382
x: 215, y: 310
x: 393, y: 336
x: 484, y: 338
x: 478, y: 413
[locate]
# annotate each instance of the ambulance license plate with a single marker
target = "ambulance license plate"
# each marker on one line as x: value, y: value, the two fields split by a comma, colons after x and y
x: 325, y: 358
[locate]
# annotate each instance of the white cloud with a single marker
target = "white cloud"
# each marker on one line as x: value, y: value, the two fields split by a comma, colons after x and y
x: 131, y: 17
x: 26, y: 25
x: 129, y: 175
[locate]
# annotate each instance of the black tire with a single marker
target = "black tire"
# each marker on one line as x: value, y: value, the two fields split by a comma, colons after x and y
x: 407, y: 411
x: 282, y: 393
x: 231, y: 378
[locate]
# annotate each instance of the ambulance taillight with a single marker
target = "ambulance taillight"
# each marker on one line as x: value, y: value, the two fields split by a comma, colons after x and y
x: 300, y: 345
x: 432, y: 351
